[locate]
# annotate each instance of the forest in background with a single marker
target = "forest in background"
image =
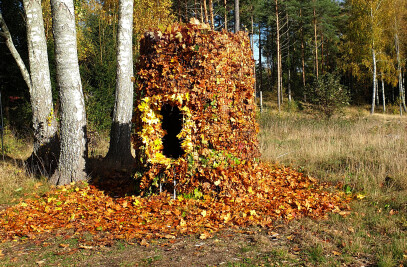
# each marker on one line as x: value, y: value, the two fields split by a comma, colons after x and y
x: 361, y: 43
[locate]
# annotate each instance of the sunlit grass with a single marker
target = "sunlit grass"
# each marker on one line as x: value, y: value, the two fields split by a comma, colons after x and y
x: 365, y: 153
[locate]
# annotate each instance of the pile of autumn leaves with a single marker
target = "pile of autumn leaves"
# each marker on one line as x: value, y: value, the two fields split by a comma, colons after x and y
x: 209, y: 76
x: 265, y: 194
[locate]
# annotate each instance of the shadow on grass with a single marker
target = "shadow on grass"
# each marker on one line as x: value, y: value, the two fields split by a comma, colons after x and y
x: 114, y: 182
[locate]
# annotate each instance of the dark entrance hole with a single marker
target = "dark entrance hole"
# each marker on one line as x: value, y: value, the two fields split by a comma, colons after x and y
x: 172, y: 123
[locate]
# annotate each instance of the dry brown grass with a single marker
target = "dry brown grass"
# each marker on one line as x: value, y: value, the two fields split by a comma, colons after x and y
x: 356, y: 149
x: 367, y: 154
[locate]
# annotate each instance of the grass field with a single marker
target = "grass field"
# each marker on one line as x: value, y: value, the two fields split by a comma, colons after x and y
x: 365, y: 154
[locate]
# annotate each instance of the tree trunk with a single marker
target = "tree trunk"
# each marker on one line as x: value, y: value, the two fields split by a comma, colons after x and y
x: 252, y: 46
x: 278, y: 60
x: 404, y: 93
x: 322, y: 53
x: 377, y: 94
x: 73, y: 155
x: 186, y: 11
x: 374, y: 80
x: 383, y: 95
x: 226, y: 15
x: 211, y: 14
x: 401, y: 93
x: 260, y: 64
x: 202, y: 13
x: 237, y: 16
x: 195, y: 8
x: 316, y: 43
x: 45, y: 152
x: 206, y: 11
x: 288, y: 60
x: 120, y: 135
x: 303, y: 56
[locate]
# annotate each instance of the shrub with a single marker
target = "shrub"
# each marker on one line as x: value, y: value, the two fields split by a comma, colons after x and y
x: 327, y: 95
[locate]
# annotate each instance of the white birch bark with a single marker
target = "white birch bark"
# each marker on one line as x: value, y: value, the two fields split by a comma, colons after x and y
x: 120, y: 139
x: 226, y: 15
x: 237, y: 16
x: 71, y: 164
x: 44, y: 122
x: 383, y: 95
x: 401, y: 93
x: 374, y: 81
x: 45, y: 151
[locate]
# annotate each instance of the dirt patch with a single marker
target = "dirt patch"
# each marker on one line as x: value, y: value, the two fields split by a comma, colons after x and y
x: 286, y: 244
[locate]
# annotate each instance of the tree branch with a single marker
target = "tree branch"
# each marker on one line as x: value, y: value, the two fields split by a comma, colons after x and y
x: 5, y: 33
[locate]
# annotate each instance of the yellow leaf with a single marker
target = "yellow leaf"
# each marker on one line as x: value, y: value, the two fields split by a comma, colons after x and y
x: 226, y: 218
x: 204, y: 236
x: 217, y: 182
x: 203, y: 213
x: 144, y: 243
x: 336, y: 253
x: 360, y: 196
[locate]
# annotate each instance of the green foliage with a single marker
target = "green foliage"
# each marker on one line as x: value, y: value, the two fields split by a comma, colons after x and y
x: 98, y: 71
x: 326, y: 95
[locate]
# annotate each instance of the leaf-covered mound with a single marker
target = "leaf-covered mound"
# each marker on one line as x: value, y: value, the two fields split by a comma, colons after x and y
x: 195, y: 101
x: 265, y: 194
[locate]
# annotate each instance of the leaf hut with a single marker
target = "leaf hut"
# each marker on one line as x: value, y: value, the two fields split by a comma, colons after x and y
x: 195, y: 109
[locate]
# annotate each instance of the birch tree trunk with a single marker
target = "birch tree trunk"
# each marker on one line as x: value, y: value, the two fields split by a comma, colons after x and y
x: 237, y: 16
x: 377, y: 94
x: 260, y: 63
x: 383, y: 94
x: 404, y: 92
x: 402, y: 98
x: 120, y: 135
x: 374, y: 80
x: 73, y: 155
x: 45, y: 152
x: 226, y: 14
